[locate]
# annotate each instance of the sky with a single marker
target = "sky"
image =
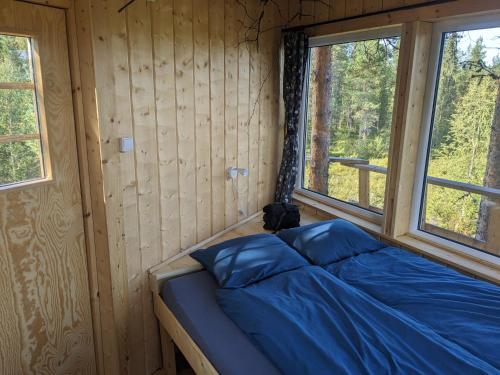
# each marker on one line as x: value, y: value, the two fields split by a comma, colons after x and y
x: 491, y: 39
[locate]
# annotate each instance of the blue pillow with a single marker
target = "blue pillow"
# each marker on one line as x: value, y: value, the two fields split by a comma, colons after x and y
x: 244, y: 260
x: 330, y: 241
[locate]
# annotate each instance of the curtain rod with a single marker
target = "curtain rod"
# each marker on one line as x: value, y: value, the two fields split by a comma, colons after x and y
x: 380, y: 12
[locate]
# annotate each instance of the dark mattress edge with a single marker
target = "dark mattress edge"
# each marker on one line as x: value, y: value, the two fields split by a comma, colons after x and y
x: 191, y: 298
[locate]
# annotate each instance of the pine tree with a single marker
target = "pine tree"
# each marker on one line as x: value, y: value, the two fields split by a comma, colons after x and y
x: 320, y: 118
x: 448, y: 92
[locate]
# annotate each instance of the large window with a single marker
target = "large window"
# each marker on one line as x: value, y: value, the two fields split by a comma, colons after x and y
x: 21, y: 156
x: 460, y: 195
x: 348, y: 116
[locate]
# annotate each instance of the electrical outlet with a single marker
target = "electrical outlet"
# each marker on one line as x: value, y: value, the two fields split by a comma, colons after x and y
x: 126, y: 144
x: 232, y: 172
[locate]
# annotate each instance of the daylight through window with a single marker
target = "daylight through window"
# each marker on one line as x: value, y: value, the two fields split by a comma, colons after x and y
x: 348, y: 120
x: 461, y: 193
x: 20, y: 143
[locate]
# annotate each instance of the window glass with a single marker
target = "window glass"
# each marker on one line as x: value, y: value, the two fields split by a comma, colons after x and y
x: 15, y: 56
x: 23, y: 161
x: 17, y: 112
x: 463, y: 164
x: 20, y: 145
x: 348, y: 120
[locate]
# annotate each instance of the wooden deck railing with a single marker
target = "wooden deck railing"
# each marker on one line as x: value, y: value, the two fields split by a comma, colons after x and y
x: 492, y: 243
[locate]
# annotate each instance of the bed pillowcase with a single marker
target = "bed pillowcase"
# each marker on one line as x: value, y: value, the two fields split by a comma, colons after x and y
x: 242, y: 261
x: 330, y: 241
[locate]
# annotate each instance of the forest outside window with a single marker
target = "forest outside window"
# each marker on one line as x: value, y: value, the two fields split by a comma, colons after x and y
x: 459, y: 196
x: 21, y: 156
x: 348, y: 117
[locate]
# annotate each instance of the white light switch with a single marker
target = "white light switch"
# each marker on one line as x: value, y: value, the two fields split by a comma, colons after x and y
x: 126, y: 144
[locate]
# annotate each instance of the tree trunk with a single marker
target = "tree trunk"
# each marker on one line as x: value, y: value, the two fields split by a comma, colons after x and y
x: 321, y: 87
x: 492, y: 173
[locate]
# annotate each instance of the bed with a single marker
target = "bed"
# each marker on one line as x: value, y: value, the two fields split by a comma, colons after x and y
x: 371, y: 311
x: 309, y: 322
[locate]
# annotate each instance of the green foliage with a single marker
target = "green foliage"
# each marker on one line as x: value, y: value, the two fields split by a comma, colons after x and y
x: 364, y: 75
x: 462, y: 153
x: 19, y: 161
x: 364, y: 78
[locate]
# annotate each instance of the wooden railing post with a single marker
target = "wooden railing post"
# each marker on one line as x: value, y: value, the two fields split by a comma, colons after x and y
x: 364, y: 188
x: 493, y: 235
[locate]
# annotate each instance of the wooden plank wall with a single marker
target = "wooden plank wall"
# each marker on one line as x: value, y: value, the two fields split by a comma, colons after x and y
x: 319, y: 11
x: 176, y: 76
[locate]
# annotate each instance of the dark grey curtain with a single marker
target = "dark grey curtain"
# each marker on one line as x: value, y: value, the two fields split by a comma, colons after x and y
x: 295, y: 45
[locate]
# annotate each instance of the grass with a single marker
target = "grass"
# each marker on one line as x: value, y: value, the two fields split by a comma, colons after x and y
x: 447, y: 208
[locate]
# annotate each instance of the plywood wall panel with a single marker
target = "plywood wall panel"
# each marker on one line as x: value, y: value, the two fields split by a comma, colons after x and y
x: 10, y: 332
x: 10, y: 344
x: 45, y: 303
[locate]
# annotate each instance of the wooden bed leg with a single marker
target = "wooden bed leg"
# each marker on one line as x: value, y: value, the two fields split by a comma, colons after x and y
x: 168, y: 352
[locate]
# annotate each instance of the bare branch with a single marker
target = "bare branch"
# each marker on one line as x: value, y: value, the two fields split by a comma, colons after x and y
x: 253, y: 23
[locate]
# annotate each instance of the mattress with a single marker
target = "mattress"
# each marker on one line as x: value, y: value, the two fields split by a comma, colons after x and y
x: 191, y: 298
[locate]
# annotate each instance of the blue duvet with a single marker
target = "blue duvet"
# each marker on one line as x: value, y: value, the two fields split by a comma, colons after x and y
x: 461, y: 309
x: 310, y: 322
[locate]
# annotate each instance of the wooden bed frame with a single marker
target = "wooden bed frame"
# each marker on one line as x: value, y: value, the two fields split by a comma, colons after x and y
x: 172, y: 333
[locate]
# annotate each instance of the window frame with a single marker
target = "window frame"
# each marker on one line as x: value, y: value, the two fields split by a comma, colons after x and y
x: 461, y: 23
x: 38, y: 92
x: 325, y: 40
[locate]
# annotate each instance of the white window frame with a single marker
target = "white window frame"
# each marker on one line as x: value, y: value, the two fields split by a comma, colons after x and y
x: 357, y: 36
x: 439, y: 28
x: 37, y: 83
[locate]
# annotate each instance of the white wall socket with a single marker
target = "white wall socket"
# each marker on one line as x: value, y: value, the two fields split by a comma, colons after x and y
x: 232, y: 172
x: 126, y: 144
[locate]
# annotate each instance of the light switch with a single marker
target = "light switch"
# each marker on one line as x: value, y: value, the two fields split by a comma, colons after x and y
x: 126, y: 144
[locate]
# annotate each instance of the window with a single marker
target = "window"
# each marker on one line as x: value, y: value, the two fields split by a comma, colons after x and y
x: 459, y: 196
x: 348, y: 117
x: 21, y: 156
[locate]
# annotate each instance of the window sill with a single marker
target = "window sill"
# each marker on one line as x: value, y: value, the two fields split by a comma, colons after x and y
x: 35, y: 183
x: 358, y: 219
x: 485, y: 267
